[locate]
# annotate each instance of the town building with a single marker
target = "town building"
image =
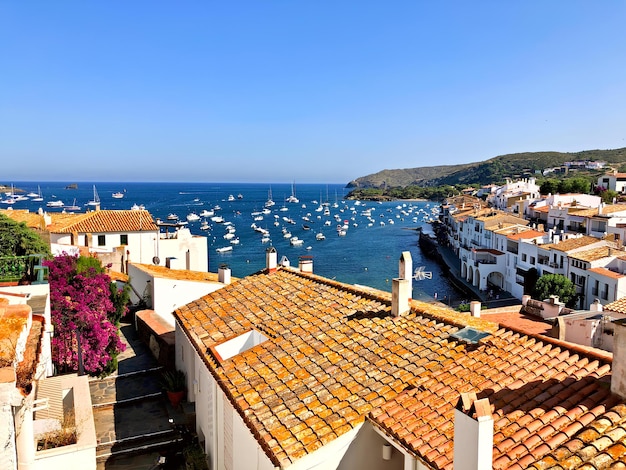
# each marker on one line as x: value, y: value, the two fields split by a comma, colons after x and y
x: 613, y: 181
x: 288, y: 369
x: 118, y: 237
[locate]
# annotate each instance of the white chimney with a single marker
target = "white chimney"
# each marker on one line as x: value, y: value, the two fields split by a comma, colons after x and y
x: 618, y: 373
x: 305, y: 264
x: 473, y: 433
x: 223, y: 274
x: 475, y: 307
x: 271, y: 259
x: 401, y: 287
x: 596, y: 306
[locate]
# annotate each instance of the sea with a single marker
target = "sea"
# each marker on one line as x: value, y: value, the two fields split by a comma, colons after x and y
x: 363, y: 240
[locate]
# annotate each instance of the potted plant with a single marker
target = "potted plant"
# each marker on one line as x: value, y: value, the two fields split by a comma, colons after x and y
x: 174, y: 382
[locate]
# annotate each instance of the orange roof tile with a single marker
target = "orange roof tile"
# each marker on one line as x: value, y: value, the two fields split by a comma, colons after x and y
x: 595, y: 253
x: 181, y: 274
x: 526, y: 234
x: 572, y: 243
x: 90, y: 222
x: 606, y: 272
x: 618, y: 306
x: 335, y: 356
x: 606, y: 210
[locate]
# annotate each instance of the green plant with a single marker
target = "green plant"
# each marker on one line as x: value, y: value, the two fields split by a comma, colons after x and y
x: 174, y: 381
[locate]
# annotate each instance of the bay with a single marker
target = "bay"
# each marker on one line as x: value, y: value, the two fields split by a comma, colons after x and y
x: 367, y: 254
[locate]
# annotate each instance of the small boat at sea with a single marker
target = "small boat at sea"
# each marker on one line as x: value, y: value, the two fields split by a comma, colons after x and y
x: 320, y: 236
x: 207, y: 213
x: 230, y: 198
x: 137, y: 207
x: 172, y: 216
x: 117, y: 195
x: 55, y: 203
x: 37, y: 197
x: 72, y: 208
x: 295, y: 241
x: 96, y: 199
x: 192, y: 217
x: 224, y: 249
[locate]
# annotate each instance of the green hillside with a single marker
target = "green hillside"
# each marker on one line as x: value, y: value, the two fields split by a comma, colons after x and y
x: 494, y: 170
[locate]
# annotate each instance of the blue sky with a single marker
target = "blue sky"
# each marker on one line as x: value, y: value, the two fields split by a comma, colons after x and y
x: 305, y: 91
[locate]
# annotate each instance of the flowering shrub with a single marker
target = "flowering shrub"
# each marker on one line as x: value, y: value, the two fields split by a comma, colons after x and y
x: 81, y: 313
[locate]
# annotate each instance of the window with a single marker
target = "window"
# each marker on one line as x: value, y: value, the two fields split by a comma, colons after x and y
x: 594, y: 289
x: 101, y: 240
x: 123, y: 239
x: 524, y: 257
x: 605, y: 292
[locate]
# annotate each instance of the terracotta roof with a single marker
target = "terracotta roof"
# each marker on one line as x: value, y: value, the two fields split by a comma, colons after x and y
x: 606, y: 210
x: 572, y: 243
x: 619, y: 306
x: 545, y: 209
x: 181, y: 274
x: 595, y: 253
x: 335, y: 355
x: 606, y: 272
x: 526, y: 234
x: 90, y: 222
x: 107, y: 221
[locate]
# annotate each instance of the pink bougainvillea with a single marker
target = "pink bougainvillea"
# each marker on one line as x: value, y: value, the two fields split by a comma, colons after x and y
x: 81, y: 307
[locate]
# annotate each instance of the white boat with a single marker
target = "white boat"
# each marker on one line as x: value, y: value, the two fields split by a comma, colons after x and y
x: 55, y: 203
x: 8, y: 200
x: 96, y: 199
x: 224, y: 249
x: 117, y: 195
x: 320, y: 236
x: 204, y: 225
x: 293, y: 197
x: 295, y: 241
x: 192, y: 217
x: 270, y: 202
x: 207, y: 213
x: 217, y: 219
x: 72, y: 207
x: 235, y: 241
x: 172, y: 216
x: 37, y: 197
x: 137, y: 207
x: 231, y: 197
x: 239, y: 196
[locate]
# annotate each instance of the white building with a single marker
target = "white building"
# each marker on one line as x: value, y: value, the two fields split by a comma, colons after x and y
x: 118, y: 237
x: 513, y: 196
x: 613, y: 181
x: 292, y: 370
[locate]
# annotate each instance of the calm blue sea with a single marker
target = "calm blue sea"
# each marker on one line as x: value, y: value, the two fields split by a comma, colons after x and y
x: 367, y: 254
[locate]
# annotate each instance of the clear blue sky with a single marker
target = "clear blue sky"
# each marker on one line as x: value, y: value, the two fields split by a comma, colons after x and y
x: 305, y: 91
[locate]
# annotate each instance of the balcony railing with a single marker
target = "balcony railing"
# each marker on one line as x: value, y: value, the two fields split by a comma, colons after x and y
x: 22, y: 268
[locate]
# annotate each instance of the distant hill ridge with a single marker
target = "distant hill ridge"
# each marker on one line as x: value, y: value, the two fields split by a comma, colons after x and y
x: 494, y: 170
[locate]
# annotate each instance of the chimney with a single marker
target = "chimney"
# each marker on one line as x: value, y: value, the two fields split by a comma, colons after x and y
x: 618, y: 373
x: 223, y: 274
x: 305, y: 264
x: 473, y: 433
x: 270, y: 259
x: 596, y: 306
x: 401, y: 286
x: 475, y: 308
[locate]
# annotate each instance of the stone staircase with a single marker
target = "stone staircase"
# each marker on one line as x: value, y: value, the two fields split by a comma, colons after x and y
x: 131, y: 415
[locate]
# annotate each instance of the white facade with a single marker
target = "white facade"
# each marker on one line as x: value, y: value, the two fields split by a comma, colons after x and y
x: 166, y: 294
x: 613, y: 181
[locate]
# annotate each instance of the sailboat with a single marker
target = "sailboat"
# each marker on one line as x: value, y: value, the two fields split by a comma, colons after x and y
x: 96, y: 199
x: 72, y: 208
x: 37, y: 197
x: 270, y: 202
x: 293, y: 197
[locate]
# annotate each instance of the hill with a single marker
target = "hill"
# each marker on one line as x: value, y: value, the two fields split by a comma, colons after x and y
x: 494, y: 170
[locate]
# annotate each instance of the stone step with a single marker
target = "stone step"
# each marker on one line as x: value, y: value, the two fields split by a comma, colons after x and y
x: 161, y: 441
x: 125, y: 387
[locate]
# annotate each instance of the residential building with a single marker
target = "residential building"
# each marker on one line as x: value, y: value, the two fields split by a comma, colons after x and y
x: 288, y: 369
x: 613, y: 181
x: 33, y: 403
x: 118, y: 237
x: 511, y: 196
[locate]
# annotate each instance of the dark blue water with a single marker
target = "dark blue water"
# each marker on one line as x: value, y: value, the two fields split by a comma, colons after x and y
x: 368, y: 253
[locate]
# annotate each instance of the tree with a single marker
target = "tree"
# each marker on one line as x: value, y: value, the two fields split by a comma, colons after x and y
x: 16, y: 239
x: 82, y: 310
x: 556, y: 284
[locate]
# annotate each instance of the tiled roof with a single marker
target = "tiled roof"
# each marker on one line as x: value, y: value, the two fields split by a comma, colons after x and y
x: 90, y: 222
x: 595, y: 253
x: 180, y: 274
x: 335, y: 355
x: 525, y: 234
x: 107, y: 221
x: 571, y: 243
x: 606, y: 272
x: 618, y: 306
x: 606, y: 210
